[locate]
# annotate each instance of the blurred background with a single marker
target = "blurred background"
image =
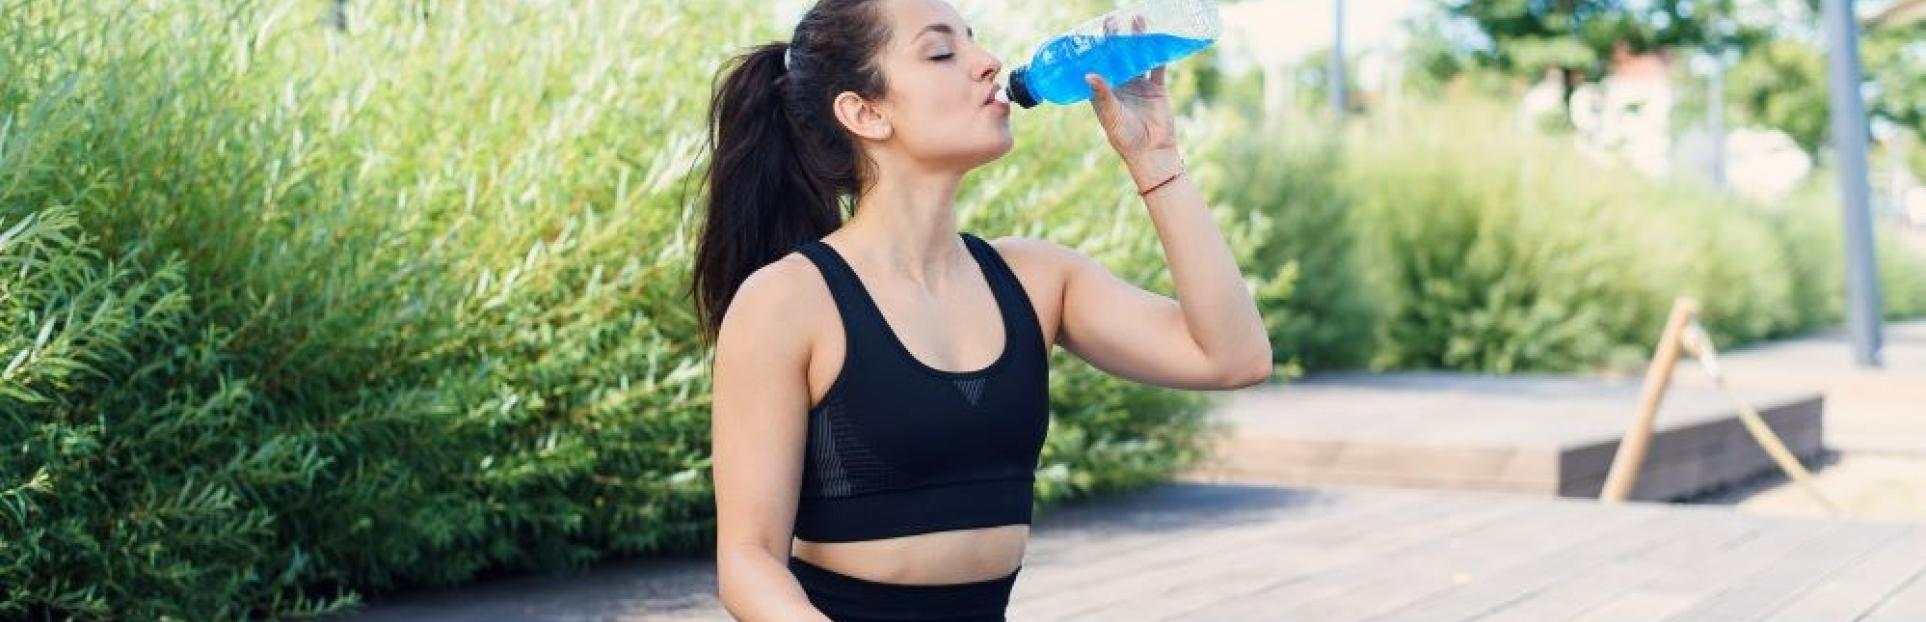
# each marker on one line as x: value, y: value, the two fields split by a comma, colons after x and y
x: 303, y: 301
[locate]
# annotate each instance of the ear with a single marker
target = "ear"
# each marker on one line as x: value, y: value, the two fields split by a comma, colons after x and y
x: 863, y: 117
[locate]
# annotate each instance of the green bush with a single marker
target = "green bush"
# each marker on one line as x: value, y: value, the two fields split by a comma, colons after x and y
x: 1286, y: 179
x: 1504, y: 250
x: 1809, y: 227
x: 413, y: 350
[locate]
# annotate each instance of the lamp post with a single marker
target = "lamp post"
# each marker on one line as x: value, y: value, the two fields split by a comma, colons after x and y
x: 1336, y: 73
x: 1849, y: 130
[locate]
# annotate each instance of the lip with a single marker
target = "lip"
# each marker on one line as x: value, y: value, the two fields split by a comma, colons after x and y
x: 990, y: 101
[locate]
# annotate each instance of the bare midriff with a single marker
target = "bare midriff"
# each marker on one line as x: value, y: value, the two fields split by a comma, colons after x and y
x: 935, y: 558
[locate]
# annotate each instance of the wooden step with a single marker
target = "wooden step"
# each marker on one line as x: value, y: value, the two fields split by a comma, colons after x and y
x: 1540, y: 435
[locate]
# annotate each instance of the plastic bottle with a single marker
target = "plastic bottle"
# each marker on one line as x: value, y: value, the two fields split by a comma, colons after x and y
x: 1120, y: 45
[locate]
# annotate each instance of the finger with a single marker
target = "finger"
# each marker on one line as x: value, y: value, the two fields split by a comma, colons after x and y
x: 1101, y: 98
x: 1137, y: 23
x: 1157, y: 76
x: 1109, y: 24
x: 1099, y: 90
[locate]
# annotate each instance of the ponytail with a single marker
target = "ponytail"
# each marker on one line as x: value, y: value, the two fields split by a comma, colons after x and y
x: 780, y: 164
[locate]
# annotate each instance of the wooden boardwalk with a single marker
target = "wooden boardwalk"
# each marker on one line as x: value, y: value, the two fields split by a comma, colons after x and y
x: 1201, y: 551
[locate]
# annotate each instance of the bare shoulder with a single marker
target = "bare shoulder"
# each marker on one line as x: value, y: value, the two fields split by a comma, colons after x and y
x: 1038, y: 259
x: 769, y: 303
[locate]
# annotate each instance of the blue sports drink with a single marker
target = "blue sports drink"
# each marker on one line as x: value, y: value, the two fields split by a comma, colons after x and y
x: 1120, y: 46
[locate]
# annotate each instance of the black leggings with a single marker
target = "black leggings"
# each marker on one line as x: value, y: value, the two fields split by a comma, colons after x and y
x: 850, y: 599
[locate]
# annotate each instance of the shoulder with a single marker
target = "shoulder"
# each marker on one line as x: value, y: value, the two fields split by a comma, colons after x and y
x: 1038, y: 258
x: 768, y: 303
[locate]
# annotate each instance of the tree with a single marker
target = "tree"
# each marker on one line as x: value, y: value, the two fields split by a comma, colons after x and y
x: 1578, y: 36
x: 1782, y: 84
x: 1895, y: 59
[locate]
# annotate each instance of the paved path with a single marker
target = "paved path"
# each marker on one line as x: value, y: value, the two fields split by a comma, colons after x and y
x: 1188, y: 551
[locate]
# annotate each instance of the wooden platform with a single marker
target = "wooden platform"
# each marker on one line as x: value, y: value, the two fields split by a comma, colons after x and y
x: 1223, y: 552
x: 1536, y: 435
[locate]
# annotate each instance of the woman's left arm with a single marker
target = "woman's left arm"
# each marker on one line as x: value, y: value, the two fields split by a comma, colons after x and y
x: 1216, y: 335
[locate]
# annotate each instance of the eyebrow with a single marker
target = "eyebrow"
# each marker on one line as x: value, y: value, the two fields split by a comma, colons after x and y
x: 946, y: 29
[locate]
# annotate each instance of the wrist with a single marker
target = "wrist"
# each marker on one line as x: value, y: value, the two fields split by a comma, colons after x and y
x: 1149, y: 167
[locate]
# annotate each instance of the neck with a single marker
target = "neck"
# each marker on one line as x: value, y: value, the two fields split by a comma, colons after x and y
x: 905, y: 225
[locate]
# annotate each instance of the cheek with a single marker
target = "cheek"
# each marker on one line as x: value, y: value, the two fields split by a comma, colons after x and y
x: 937, y: 108
x: 939, y: 125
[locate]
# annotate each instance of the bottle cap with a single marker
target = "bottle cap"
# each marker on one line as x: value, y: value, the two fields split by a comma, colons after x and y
x: 1019, y: 88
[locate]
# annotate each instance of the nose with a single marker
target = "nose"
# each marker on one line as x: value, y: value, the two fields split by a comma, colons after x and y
x: 990, y: 69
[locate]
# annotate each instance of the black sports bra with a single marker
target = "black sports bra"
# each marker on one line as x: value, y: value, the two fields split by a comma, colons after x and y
x: 897, y: 447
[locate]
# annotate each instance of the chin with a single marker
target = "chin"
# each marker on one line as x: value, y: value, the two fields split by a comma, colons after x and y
x: 1003, y: 146
x: 989, y: 153
x: 1005, y: 141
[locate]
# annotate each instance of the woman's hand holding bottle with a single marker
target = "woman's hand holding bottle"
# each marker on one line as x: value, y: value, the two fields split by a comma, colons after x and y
x: 1136, y: 117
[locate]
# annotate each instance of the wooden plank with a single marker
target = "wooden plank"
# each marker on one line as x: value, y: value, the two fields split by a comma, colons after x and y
x: 1171, y: 591
x: 1906, y: 604
x: 1115, y: 528
x: 1073, y: 576
x: 1688, y: 459
x: 1856, y: 589
x: 1550, y: 591
x: 1265, y: 597
x: 1402, y: 581
x: 1641, y: 606
x: 1667, y: 589
x: 1756, y: 594
x: 1582, y: 576
x: 1156, y: 577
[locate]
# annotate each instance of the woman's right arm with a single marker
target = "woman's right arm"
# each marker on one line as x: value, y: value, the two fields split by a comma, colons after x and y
x: 758, y: 424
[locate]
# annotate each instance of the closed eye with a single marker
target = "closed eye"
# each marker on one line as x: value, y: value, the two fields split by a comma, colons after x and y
x: 942, y: 57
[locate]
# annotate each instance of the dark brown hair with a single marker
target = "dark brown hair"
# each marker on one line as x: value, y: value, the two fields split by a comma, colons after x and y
x: 780, y: 164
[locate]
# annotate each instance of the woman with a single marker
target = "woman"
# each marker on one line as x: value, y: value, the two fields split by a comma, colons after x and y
x: 880, y: 383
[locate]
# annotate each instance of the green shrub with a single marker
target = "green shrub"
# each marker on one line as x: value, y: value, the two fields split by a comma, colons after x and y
x: 1504, y: 250
x: 426, y: 324
x: 1810, y: 227
x: 1286, y: 179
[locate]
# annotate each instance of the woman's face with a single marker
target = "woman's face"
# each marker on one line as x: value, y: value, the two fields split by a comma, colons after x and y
x: 943, y: 104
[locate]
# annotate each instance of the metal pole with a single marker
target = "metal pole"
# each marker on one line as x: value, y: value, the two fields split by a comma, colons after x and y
x: 1336, y: 77
x: 1849, y: 130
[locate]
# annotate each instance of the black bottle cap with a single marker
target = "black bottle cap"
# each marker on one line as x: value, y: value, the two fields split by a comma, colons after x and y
x: 1020, y: 88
